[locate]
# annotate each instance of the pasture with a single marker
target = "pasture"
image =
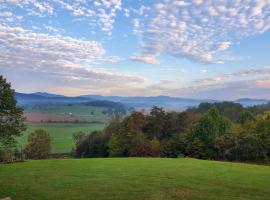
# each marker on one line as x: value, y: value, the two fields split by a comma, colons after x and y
x: 80, y: 112
x: 134, y: 178
x: 62, y: 121
x: 60, y: 132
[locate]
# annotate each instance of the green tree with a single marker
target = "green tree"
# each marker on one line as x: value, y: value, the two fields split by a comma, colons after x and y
x: 228, y: 109
x: 112, y: 126
x: 130, y: 131
x: 39, y: 145
x: 246, y: 117
x: 239, y: 147
x: 79, y: 137
x: 156, y: 123
x: 261, y: 131
x: 139, y: 146
x: 11, y: 117
x: 196, y: 148
x: 134, y: 123
x: 115, y: 146
x: 156, y: 146
x: 211, y: 126
x: 93, y: 145
x: 174, y: 123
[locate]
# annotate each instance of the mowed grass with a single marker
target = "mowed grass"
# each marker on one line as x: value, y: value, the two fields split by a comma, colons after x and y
x: 134, y: 178
x: 60, y: 132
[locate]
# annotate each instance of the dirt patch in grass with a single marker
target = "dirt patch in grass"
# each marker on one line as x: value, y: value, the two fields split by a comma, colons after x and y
x: 174, y: 193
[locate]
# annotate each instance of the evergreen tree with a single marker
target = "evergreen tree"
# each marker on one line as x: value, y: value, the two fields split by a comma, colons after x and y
x: 11, y: 117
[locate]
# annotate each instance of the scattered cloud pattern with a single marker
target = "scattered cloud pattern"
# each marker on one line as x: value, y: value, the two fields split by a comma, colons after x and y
x: 75, y: 45
x: 200, y: 30
x: 99, y: 13
x: 59, y: 57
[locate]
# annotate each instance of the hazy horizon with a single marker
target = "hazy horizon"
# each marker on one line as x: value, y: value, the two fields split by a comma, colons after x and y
x: 127, y: 96
x: 191, y: 49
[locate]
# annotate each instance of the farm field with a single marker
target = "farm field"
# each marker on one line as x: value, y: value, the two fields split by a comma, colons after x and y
x: 134, y: 178
x: 79, y: 112
x: 62, y: 121
x: 60, y: 132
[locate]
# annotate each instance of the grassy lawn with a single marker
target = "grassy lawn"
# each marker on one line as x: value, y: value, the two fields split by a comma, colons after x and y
x: 61, y: 133
x: 134, y: 178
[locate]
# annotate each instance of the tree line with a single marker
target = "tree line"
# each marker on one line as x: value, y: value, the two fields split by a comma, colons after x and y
x: 220, y: 131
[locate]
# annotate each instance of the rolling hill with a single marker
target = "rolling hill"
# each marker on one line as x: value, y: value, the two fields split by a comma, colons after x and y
x: 141, y: 102
x: 40, y: 99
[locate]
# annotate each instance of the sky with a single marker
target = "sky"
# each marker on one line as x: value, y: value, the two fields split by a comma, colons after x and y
x: 218, y: 49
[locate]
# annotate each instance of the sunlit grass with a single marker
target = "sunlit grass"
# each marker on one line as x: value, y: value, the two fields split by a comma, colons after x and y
x: 134, y: 178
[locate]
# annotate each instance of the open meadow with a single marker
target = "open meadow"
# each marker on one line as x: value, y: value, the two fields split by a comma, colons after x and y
x: 134, y: 178
x: 60, y: 132
x: 61, y: 122
x: 79, y: 112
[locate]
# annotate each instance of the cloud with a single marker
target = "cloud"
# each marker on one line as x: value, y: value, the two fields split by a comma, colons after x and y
x: 99, y: 13
x: 252, y: 83
x: 172, y: 69
x: 232, y: 90
x: 48, y: 47
x: 201, y: 30
x: 8, y: 17
x: 6, y: 14
x: 145, y: 58
x: 226, y: 91
x: 242, y: 74
x: 204, y: 70
x: 263, y: 83
x: 63, y: 60
x: 198, y: 30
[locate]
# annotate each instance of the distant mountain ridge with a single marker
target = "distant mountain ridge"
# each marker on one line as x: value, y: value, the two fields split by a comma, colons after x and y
x: 45, y: 94
x: 149, y: 101
x: 46, y: 98
x: 135, y: 101
x: 248, y: 101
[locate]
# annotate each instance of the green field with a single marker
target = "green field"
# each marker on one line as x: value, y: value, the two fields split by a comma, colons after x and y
x: 88, y: 113
x: 134, y: 178
x: 60, y: 132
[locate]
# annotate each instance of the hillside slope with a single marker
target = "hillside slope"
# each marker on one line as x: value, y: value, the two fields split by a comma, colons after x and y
x: 134, y: 178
